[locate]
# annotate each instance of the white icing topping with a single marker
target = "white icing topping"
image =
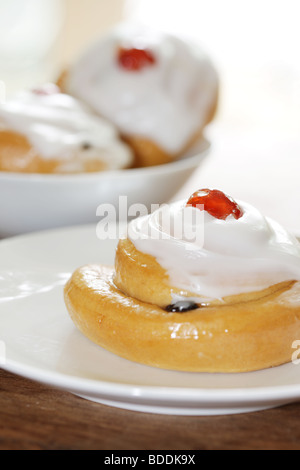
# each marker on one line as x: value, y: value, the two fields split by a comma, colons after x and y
x: 226, y: 257
x: 167, y: 102
x: 60, y: 127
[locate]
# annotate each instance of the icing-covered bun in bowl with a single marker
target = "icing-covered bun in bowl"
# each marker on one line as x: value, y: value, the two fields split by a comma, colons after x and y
x: 45, y: 131
x: 159, y: 90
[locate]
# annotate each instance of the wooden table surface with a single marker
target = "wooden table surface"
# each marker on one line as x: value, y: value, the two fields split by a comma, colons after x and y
x: 33, y: 416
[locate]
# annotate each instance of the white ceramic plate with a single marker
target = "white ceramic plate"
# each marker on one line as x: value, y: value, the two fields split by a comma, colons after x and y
x: 38, y: 340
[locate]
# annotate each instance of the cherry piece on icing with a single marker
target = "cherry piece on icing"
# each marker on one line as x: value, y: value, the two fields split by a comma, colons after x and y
x: 216, y: 203
x: 135, y: 59
x: 47, y: 90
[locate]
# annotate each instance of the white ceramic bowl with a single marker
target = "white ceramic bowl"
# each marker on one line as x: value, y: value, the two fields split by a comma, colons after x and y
x: 30, y: 203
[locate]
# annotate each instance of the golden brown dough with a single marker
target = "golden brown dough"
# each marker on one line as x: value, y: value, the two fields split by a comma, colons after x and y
x: 17, y: 155
x: 140, y: 276
x: 246, y: 336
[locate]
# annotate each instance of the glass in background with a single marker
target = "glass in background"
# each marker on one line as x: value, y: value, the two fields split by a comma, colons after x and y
x: 28, y: 31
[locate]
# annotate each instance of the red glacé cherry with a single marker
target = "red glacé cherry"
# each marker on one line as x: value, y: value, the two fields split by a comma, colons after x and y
x: 216, y: 203
x: 47, y: 90
x: 135, y: 59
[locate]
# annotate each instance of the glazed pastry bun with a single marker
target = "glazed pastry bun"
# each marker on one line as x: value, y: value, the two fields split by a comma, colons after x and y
x: 222, y: 294
x: 46, y: 131
x: 160, y: 91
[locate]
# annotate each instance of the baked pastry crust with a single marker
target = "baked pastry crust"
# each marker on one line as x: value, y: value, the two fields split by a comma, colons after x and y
x: 148, y: 153
x: 140, y: 276
x: 17, y: 155
x: 247, y: 336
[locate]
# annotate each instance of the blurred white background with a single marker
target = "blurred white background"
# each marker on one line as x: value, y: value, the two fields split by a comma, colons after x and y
x: 254, y: 44
x: 256, y: 136
x: 28, y: 30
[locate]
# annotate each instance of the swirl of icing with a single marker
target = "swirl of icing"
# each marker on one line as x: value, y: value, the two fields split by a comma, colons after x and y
x: 59, y: 127
x: 215, y: 258
x: 167, y: 100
